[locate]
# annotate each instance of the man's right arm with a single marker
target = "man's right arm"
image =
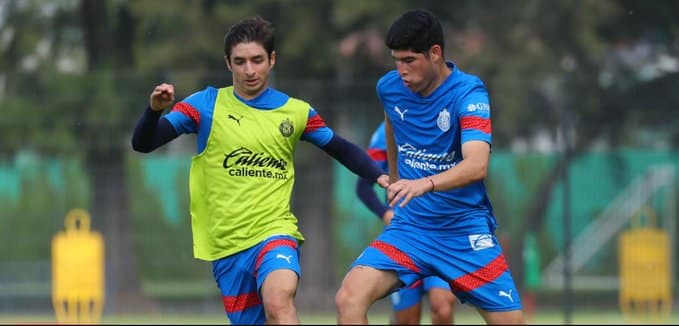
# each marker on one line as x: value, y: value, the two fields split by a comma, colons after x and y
x: 152, y: 131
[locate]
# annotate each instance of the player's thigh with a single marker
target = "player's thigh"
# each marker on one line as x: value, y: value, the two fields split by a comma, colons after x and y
x: 280, y: 284
x: 502, y: 317
x: 278, y: 271
x: 368, y: 283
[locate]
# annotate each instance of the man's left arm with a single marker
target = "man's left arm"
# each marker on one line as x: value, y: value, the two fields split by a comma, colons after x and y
x: 356, y: 160
x: 472, y: 168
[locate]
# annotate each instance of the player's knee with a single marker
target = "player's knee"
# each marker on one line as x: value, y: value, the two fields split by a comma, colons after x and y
x: 279, y: 306
x: 342, y: 298
x: 442, y: 309
x: 346, y: 299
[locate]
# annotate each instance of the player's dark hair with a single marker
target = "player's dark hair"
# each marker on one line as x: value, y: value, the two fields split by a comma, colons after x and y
x: 253, y: 29
x: 416, y: 30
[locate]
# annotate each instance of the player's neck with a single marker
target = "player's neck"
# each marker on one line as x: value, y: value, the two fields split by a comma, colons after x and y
x: 441, y: 75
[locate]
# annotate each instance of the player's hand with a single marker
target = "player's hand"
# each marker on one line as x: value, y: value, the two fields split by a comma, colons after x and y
x: 388, y: 216
x: 383, y: 181
x: 406, y: 190
x: 161, y: 97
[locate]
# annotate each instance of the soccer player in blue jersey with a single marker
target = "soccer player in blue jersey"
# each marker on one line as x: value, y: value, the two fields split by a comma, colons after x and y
x: 407, y: 302
x: 242, y: 177
x: 438, y: 130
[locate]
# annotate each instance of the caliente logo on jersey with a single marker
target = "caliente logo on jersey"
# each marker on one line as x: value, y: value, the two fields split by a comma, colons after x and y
x: 244, y: 162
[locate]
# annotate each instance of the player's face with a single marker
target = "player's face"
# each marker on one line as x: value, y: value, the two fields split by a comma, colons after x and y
x: 250, y: 66
x: 416, y: 70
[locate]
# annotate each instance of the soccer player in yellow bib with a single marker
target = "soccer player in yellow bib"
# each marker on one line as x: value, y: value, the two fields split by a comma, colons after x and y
x: 242, y: 178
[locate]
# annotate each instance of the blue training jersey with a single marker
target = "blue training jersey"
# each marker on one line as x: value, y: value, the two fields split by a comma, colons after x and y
x: 429, y: 133
x: 377, y: 149
x: 194, y: 115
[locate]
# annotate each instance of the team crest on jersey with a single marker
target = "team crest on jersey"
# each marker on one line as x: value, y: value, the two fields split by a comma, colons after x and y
x: 443, y: 121
x: 286, y: 128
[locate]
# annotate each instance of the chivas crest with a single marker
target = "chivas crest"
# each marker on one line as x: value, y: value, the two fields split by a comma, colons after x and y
x: 286, y: 128
x: 443, y: 121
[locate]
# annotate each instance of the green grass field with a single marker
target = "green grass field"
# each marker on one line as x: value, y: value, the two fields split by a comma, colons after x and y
x: 464, y: 316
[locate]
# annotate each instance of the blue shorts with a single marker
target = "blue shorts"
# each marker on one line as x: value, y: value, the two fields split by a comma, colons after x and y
x: 240, y: 276
x: 409, y: 296
x: 472, y: 262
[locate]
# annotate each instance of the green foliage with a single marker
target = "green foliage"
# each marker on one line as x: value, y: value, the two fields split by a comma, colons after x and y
x: 534, y: 55
x: 165, y: 249
x: 36, y: 195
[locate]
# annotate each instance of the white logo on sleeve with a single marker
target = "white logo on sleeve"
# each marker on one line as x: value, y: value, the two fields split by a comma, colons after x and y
x: 287, y: 258
x: 401, y: 113
x: 478, y: 107
x: 481, y: 241
x: 506, y: 294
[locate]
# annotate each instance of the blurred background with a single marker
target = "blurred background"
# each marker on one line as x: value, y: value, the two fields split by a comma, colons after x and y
x: 585, y: 107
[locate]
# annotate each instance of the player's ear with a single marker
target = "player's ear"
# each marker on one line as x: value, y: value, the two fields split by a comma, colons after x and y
x: 228, y: 64
x: 272, y: 60
x: 436, y: 52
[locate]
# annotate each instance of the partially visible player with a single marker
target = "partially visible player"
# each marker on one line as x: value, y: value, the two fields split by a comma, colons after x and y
x: 438, y: 130
x: 407, y: 302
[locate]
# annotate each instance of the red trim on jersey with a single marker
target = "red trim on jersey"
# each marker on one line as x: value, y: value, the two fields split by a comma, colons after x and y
x: 481, y: 277
x: 270, y: 246
x: 237, y: 303
x: 314, y: 123
x: 188, y: 110
x: 397, y: 255
x: 377, y: 154
x: 478, y: 123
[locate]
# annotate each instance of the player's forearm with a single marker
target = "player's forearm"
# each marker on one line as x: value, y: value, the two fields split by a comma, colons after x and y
x: 353, y: 158
x: 366, y: 193
x: 152, y: 132
x: 464, y: 173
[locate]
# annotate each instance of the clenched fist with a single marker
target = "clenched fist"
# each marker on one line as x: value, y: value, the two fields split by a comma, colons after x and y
x: 162, y: 97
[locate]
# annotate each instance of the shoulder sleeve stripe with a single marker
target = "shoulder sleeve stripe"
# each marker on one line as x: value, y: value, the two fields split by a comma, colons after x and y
x: 314, y: 123
x: 377, y: 154
x: 477, y: 123
x: 188, y: 110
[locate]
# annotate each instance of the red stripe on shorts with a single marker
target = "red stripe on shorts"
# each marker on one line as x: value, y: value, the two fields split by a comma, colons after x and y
x: 397, y: 255
x: 417, y: 283
x: 270, y: 246
x: 237, y: 303
x: 481, y: 277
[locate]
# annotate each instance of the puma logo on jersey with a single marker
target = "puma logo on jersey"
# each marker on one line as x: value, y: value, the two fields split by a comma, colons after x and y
x: 401, y: 113
x: 232, y: 117
x: 287, y: 258
x: 506, y: 294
